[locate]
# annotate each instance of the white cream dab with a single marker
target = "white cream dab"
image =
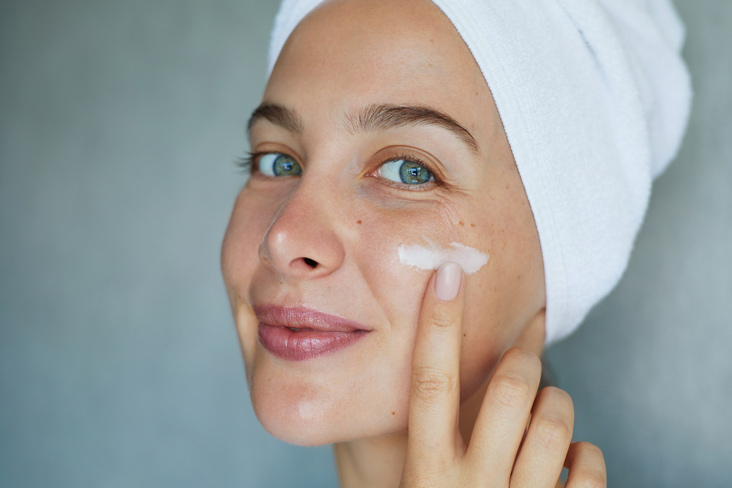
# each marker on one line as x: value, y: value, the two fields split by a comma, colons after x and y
x: 432, y: 256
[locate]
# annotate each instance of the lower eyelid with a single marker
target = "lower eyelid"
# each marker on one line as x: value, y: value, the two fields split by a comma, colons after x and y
x: 427, y: 186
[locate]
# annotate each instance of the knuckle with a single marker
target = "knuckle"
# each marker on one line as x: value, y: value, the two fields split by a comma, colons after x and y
x: 511, y: 391
x: 441, y: 320
x: 589, y: 470
x: 591, y: 451
x: 423, y: 477
x: 525, y: 358
x: 552, y: 432
x: 558, y: 399
x: 431, y: 383
x: 590, y: 479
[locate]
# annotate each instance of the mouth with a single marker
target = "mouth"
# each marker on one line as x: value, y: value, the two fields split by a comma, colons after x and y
x: 298, y: 333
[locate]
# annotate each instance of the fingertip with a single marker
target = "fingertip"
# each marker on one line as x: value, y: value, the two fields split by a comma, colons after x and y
x: 522, y: 355
x: 447, y: 282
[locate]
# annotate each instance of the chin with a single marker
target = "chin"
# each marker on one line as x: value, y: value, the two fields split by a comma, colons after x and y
x: 301, y: 424
x: 307, y: 414
x: 293, y: 431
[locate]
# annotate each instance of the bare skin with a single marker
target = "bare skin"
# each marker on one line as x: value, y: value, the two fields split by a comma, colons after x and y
x: 519, y: 439
x: 438, y: 392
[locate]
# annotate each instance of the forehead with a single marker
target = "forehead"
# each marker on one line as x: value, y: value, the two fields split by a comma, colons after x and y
x: 349, y: 53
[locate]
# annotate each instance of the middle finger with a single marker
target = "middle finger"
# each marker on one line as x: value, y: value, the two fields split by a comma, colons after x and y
x: 542, y: 455
x: 504, y: 414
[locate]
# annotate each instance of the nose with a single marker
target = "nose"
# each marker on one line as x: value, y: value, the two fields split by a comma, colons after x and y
x: 302, y: 241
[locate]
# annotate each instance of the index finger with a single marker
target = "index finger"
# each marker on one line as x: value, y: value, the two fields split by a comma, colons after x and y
x: 433, y: 436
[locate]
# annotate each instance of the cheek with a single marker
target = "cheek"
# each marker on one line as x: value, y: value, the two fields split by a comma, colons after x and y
x: 396, y: 289
x: 249, y: 221
x: 485, y: 334
x: 505, y: 294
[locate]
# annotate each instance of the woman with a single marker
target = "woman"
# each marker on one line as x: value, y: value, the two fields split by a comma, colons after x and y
x: 378, y: 156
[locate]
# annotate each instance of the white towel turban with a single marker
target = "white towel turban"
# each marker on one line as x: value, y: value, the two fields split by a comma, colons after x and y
x: 594, y: 98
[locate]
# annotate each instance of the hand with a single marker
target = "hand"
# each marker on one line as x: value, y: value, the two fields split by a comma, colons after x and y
x: 502, y: 452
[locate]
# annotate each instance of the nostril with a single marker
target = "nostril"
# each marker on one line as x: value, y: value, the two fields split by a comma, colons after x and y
x: 310, y: 262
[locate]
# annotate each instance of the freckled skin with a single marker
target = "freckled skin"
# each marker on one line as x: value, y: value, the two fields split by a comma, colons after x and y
x: 346, y: 55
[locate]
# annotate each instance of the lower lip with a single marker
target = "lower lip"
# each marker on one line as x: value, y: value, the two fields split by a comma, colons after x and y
x: 304, y: 344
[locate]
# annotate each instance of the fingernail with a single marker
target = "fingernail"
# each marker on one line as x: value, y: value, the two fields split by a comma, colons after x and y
x: 447, y: 282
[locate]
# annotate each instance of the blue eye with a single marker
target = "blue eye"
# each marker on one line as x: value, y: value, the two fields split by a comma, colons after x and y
x: 278, y: 164
x: 405, y: 171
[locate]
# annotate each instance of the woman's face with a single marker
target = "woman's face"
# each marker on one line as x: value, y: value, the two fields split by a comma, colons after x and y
x: 377, y: 130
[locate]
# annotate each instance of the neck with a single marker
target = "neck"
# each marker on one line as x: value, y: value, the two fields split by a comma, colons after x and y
x: 356, y: 461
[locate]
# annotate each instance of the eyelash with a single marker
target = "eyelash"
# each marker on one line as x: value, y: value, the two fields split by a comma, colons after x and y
x: 246, y: 164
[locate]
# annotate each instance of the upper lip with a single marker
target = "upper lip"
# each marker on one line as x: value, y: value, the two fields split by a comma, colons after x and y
x: 305, y: 318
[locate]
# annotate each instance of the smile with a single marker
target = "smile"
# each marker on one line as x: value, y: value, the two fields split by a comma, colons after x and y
x: 298, y: 333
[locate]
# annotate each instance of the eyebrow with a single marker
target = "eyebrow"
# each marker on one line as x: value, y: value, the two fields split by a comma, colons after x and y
x: 378, y: 117
x: 385, y: 117
x: 278, y: 115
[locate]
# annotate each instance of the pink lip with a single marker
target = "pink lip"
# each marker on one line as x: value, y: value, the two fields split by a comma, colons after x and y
x: 298, y: 333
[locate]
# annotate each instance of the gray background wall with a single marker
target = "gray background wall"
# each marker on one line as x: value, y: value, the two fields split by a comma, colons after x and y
x: 119, y: 364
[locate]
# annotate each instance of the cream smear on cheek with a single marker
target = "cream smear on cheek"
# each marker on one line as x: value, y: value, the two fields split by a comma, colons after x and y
x: 433, y: 256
